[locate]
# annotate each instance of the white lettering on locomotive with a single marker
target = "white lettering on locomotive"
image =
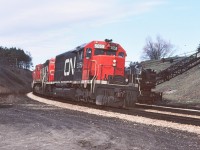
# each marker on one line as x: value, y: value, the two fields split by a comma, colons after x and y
x: 113, y: 48
x: 69, y: 66
x: 99, y: 46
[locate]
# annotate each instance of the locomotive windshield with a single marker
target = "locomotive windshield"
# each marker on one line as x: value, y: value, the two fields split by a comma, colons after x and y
x: 104, y: 52
x: 110, y: 52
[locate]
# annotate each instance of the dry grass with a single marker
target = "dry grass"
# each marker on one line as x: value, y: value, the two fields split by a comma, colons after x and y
x: 183, y: 90
x: 158, y: 65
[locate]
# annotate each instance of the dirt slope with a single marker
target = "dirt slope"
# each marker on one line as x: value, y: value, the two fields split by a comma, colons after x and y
x: 183, y: 90
x: 158, y: 65
x: 14, y: 80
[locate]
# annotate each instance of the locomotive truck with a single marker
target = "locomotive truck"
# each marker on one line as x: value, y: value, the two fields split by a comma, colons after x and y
x: 94, y: 72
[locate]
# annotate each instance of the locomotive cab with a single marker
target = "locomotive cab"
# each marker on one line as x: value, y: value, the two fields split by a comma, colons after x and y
x: 103, y: 61
x: 103, y: 74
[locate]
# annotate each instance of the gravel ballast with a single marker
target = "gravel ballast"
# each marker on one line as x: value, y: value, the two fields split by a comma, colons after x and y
x: 29, y: 124
x: 136, y: 119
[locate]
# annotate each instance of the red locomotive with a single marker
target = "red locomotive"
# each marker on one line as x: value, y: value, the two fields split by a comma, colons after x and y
x: 37, y: 73
x: 93, y: 72
x: 48, y: 69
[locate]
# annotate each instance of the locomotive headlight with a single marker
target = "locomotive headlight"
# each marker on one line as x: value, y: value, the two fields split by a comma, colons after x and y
x: 114, y: 63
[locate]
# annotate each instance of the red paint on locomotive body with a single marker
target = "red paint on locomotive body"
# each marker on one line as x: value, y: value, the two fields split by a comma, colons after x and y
x: 103, y: 59
x: 37, y: 73
x: 51, y: 70
x: 48, y: 70
x: 44, y: 72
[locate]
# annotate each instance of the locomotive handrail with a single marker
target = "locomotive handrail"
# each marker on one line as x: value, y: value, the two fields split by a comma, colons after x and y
x: 95, y: 73
x: 43, y: 81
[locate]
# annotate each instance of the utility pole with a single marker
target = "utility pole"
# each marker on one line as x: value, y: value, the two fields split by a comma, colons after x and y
x: 16, y: 62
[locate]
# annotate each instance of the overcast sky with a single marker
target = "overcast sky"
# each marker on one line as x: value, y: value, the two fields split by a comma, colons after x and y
x: 47, y: 28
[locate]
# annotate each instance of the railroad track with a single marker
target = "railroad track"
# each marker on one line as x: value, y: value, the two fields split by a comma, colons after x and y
x: 176, y: 115
x: 169, y: 109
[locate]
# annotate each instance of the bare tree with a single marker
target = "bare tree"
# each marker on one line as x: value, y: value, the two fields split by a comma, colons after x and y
x: 15, y: 57
x: 198, y: 48
x: 158, y: 49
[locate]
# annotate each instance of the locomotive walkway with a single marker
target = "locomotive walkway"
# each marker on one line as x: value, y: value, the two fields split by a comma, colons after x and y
x: 178, y: 68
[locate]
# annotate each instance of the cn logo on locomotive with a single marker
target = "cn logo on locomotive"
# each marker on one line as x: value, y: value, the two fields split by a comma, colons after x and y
x: 69, y: 66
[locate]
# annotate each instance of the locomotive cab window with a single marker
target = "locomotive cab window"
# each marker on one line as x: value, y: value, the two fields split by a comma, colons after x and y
x: 104, y: 52
x: 99, y: 52
x: 121, y: 54
x: 110, y: 52
x: 88, y: 53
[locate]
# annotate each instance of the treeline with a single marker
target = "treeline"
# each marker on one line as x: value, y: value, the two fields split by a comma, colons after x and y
x: 15, y: 57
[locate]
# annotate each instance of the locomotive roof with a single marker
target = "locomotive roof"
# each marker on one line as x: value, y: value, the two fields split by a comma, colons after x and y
x: 74, y: 50
x: 77, y: 48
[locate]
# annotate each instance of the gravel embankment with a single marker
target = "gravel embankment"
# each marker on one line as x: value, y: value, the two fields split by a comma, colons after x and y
x: 136, y: 119
x: 27, y: 124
